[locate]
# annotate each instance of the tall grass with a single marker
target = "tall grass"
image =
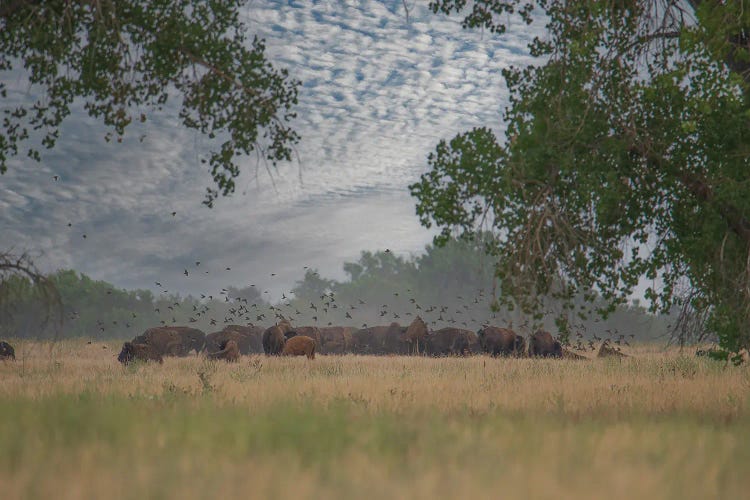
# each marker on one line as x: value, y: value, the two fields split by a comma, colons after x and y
x: 75, y: 424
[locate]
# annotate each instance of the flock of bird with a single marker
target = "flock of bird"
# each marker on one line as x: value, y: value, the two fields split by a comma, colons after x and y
x: 470, y: 312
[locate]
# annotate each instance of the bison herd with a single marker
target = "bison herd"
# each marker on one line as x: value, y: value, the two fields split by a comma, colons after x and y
x: 283, y: 339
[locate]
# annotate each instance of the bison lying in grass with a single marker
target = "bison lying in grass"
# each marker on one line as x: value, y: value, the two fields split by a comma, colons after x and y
x: 138, y: 352
x: 6, y: 351
x: 230, y: 352
x: 299, y: 346
x: 606, y: 351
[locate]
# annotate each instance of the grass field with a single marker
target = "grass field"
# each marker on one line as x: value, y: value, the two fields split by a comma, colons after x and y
x: 76, y: 424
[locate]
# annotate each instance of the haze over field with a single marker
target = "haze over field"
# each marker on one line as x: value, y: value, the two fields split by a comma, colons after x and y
x: 378, y: 94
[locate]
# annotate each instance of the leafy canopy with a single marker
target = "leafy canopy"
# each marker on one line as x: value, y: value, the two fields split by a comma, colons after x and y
x: 123, y: 59
x: 625, y: 159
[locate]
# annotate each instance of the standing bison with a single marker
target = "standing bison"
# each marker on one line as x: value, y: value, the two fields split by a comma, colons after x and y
x: 165, y: 340
x: 541, y: 344
x: 138, y: 352
x: 500, y: 341
x: 306, y: 331
x: 6, y: 351
x: 248, y: 338
x: 415, y: 336
x: 275, y: 337
x: 379, y: 339
x: 336, y: 339
x: 299, y: 346
x: 451, y: 342
x: 229, y: 352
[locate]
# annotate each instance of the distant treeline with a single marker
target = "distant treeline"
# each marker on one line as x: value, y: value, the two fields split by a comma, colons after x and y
x: 451, y: 285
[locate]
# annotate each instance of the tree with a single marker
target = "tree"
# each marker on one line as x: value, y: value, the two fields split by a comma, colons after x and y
x: 20, y: 284
x: 625, y: 159
x: 123, y: 59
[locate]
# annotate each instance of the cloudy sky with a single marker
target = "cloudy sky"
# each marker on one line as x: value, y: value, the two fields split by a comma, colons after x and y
x: 378, y: 94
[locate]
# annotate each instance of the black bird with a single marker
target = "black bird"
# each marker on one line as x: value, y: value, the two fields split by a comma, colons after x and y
x: 185, y: 272
x: 348, y: 315
x: 56, y: 177
x: 197, y: 263
x: 157, y: 283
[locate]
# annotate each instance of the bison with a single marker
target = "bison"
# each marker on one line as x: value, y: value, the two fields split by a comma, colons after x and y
x: 192, y: 338
x: 379, y: 339
x: 451, y: 342
x: 568, y: 354
x: 543, y: 345
x: 138, y: 352
x: 230, y: 352
x: 275, y: 337
x: 6, y: 351
x: 299, y: 346
x: 248, y: 338
x: 500, y: 341
x: 172, y: 340
x: 306, y: 331
x: 415, y: 336
x: 336, y: 339
x: 605, y: 351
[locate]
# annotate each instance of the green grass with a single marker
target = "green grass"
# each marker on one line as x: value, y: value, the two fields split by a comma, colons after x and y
x: 658, y: 425
x: 194, y: 442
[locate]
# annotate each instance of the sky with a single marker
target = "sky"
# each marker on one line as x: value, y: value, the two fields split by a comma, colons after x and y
x: 377, y: 96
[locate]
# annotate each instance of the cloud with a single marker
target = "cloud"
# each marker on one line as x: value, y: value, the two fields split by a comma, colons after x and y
x: 378, y: 94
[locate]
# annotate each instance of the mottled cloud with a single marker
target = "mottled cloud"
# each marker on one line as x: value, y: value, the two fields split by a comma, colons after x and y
x: 378, y: 94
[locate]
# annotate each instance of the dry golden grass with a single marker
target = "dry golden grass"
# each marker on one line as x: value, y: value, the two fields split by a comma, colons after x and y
x: 76, y: 424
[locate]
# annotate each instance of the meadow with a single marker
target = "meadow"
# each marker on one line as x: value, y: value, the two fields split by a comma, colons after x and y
x: 74, y: 423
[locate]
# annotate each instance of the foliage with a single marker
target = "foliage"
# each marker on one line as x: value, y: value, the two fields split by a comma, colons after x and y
x: 96, y: 309
x: 124, y: 59
x: 452, y: 284
x: 625, y: 161
x: 22, y: 283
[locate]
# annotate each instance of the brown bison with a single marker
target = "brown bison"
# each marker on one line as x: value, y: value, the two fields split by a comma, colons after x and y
x: 336, y: 339
x: 6, y: 351
x: 605, y: 351
x: 192, y: 338
x: 165, y: 340
x: 451, y: 342
x: 501, y: 341
x: 379, y: 339
x: 230, y: 352
x: 138, y: 352
x: 275, y: 337
x: 306, y: 331
x: 568, y: 354
x: 541, y: 344
x: 248, y: 338
x: 415, y: 336
x: 299, y: 346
